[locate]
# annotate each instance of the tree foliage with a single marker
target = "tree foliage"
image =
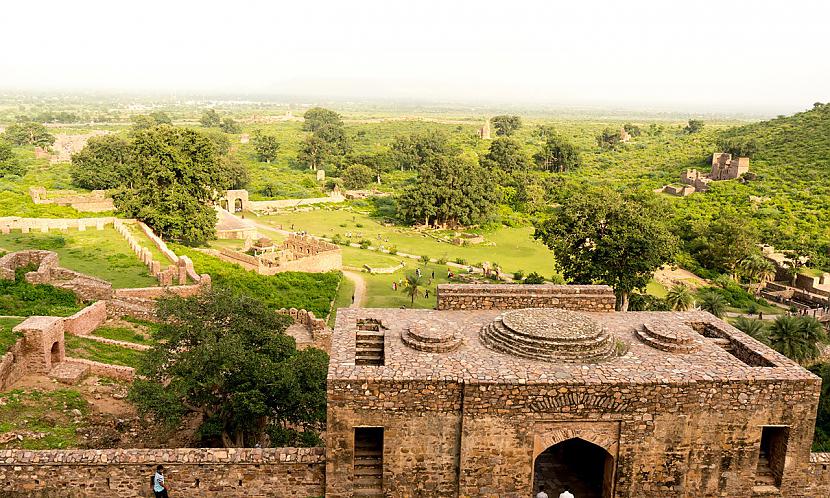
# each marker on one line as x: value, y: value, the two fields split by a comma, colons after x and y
x: 694, y: 126
x: 9, y: 164
x: 414, y: 151
x: 176, y: 174
x: 226, y: 357
x: 506, y: 124
x: 105, y: 162
x: 229, y: 125
x: 29, y: 133
x: 557, y: 154
x: 210, y: 118
x: 506, y: 154
x: 599, y: 236
x: 318, y: 117
x: 266, y: 147
x: 448, y: 192
x: 609, y: 138
x: 357, y: 176
x: 797, y: 337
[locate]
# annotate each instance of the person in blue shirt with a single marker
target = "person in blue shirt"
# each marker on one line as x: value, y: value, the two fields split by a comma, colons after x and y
x: 159, y: 488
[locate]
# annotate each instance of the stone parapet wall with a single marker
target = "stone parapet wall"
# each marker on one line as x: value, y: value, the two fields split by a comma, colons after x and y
x: 117, y: 372
x: 85, y: 287
x: 11, y: 369
x: 317, y: 327
x: 819, y: 480
x: 497, y: 296
x: 86, y: 320
x: 203, y: 472
x: 291, y: 203
x: 44, y: 225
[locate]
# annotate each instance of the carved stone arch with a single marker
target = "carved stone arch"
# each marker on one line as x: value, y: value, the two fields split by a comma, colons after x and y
x: 602, y: 438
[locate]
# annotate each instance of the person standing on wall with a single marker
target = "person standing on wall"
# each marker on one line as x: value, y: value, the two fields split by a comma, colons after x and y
x: 159, y: 488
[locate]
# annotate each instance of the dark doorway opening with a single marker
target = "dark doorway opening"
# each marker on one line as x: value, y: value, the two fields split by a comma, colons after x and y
x: 237, y: 206
x: 368, y: 462
x: 583, y: 468
x: 55, y: 353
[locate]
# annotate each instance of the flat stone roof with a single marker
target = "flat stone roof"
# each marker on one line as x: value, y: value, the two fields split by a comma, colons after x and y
x: 640, y: 360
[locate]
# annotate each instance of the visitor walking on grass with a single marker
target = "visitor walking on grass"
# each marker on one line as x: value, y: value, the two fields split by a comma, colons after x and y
x: 159, y: 488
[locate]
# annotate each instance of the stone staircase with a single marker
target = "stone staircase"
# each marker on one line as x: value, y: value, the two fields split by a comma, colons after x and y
x: 368, y: 468
x: 677, y: 338
x: 69, y: 373
x: 764, y: 475
x: 583, y: 349
x: 369, y: 347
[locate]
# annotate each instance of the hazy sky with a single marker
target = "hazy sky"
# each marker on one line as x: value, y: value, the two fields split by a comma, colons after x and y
x: 735, y: 55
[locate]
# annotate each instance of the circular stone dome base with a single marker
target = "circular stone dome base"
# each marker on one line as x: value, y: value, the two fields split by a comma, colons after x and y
x: 549, y: 334
x: 430, y: 339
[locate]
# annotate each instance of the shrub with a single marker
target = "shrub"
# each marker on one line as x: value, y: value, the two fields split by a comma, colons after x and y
x: 460, y: 261
x: 393, y: 250
x: 442, y: 260
x: 365, y: 243
x: 425, y: 259
x: 533, y: 278
x: 518, y: 276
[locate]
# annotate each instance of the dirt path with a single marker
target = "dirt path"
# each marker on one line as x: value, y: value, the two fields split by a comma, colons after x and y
x: 359, y: 288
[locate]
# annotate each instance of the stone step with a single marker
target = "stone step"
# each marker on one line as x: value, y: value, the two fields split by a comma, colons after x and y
x: 566, y: 341
x: 504, y: 344
x: 657, y: 343
x: 69, y: 373
x: 498, y: 328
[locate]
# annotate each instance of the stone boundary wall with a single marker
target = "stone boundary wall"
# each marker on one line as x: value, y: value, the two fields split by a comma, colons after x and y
x: 192, y: 472
x: 291, y: 203
x: 86, y: 320
x: 819, y: 485
x: 166, y: 274
x: 387, y: 270
x: 26, y: 225
x: 94, y: 202
x: 511, y: 296
x: 11, y: 370
x: 317, y: 327
x: 122, y: 344
x: 815, y: 285
x: 157, y: 292
x: 85, y: 287
x: 118, y: 372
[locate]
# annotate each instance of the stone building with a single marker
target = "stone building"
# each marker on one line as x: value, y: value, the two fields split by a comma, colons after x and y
x: 503, y: 391
x: 484, y: 131
x: 726, y: 167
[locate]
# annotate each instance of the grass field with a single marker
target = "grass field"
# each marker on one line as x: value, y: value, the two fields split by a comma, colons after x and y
x: 512, y: 248
x: 43, y: 419
x: 122, y: 334
x: 81, y: 347
x: 7, y: 337
x: 100, y: 253
x: 343, y: 299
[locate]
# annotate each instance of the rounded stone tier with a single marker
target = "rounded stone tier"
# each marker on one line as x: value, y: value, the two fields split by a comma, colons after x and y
x: 430, y: 339
x: 674, y: 338
x: 549, y: 334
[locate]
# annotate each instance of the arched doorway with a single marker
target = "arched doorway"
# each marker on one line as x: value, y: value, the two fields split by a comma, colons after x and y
x: 583, y: 468
x: 55, y: 354
x: 223, y: 204
x: 237, y: 206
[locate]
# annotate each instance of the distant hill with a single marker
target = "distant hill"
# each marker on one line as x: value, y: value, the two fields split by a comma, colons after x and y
x: 802, y: 139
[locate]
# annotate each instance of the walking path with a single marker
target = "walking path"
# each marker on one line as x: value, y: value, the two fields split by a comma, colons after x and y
x: 359, y: 288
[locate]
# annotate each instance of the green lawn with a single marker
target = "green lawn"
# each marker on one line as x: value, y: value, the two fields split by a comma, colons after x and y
x: 512, y: 248
x: 100, y: 253
x: 379, y: 292
x: 343, y: 299
x: 81, y: 347
x: 354, y: 256
x: 7, y: 337
x: 145, y: 241
x: 44, y: 419
x: 656, y: 289
x: 122, y: 334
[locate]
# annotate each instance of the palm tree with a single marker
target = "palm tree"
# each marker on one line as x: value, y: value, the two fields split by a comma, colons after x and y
x: 680, y: 297
x: 757, y: 269
x: 712, y: 302
x: 413, y: 286
x: 797, y: 337
x: 754, y: 328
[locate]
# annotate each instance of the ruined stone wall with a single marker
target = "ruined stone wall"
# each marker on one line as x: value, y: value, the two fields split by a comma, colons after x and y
x: 11, y: 368
x: 686, y: 440
x: 816, y: 285
x: 43, y: 225
x: 85, y: 287
x: 496, y: 296
x: 292, y: 203
x: 86, y: 320
x: 205, y: 472
x: 818, y: 481
x: 117, y: 372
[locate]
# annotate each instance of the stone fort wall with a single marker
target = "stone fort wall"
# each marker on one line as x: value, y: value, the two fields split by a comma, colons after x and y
x: 204, y: 472
x: 502, y: 297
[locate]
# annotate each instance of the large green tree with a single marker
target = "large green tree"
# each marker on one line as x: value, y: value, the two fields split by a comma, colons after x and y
x: 317, y: 117
x: 210, y: 118
x: 176, y: 175
x: 229, y: 125
x: 105, y: 162
x: 265, y: 146
x: 506, y: 154
x: 357, y: 176
x: 506, y: 124
x: 29, y: 133
x: 9, y: 164
x: 413, y: 151
x: 724, y: 243
x: 557, y: 154
x: 600, y: 236
x: 448, y: 192
x: 226, y: 357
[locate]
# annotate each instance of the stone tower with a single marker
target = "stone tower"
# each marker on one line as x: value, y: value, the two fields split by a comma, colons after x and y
x: 484, y: 131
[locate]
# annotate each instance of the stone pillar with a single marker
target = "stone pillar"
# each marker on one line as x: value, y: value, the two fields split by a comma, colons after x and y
x: 99, y: 224
x: 155, y: 267
x: 81, y: 226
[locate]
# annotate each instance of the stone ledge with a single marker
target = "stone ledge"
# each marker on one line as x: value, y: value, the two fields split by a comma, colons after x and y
x: 245, y: 456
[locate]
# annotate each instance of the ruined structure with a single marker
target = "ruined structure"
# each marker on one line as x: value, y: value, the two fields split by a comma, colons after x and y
x: 499, y: 394
x: 65, y: 145
x: 95, y: 201
x: 724, y: 167
x: 296, y: 253
x: 484, y: 131
x: 236, y: 201
x: 625, y: 137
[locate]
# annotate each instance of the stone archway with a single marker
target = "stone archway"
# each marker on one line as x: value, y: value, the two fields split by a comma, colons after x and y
x: 223, y: 203
x: 55, y: 354
x: 237, y: 205
x: 579, y: 466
